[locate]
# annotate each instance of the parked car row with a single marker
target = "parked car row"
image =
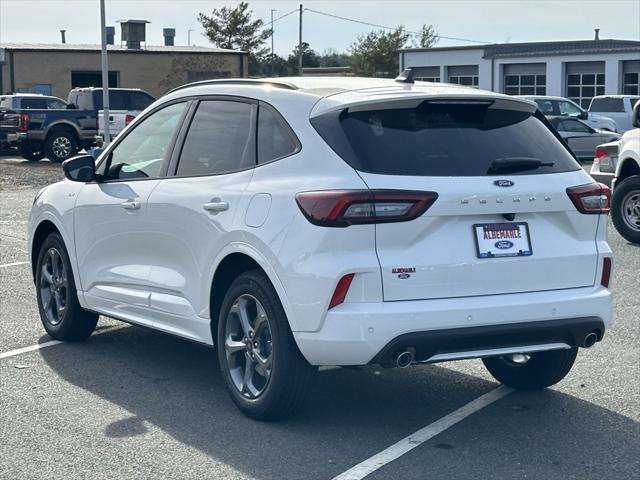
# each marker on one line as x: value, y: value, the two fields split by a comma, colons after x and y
x: 45, y: 126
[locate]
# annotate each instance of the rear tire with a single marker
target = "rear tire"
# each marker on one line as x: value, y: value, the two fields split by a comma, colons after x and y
x: 625, y: 208
x: 60, y: 312
x: 279, y: 377
x: 542, y: 370
x: 32, y: 151
x: 60, y: 145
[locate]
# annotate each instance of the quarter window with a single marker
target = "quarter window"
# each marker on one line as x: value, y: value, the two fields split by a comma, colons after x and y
x: 220, y: 139
x: 142, y: 152
x: 274, y: 139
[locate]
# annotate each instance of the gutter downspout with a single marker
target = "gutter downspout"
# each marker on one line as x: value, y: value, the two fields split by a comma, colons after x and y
x: 493, y: 74
x: 12, y: 79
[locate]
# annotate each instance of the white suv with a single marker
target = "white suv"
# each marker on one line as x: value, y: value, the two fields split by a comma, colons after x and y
x: 332, y: 221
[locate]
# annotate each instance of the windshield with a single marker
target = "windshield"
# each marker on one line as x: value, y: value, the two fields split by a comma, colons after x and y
x: 442, y: 139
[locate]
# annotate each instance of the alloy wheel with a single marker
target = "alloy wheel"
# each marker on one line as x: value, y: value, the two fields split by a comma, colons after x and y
x: 631, y: 210
x: 61, y: 147
x: 53, y: 286
x: 248, y: 346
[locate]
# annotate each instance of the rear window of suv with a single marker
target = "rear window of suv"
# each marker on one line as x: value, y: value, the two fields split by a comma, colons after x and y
x: 442, y: 139
x: 606, y: 105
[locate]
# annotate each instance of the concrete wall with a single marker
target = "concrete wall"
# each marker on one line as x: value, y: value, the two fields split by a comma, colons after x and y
x: 555, y: 69
x: 154, y: 72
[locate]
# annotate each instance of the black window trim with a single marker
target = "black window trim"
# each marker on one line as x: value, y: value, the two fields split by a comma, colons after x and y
x: 105, y: 158
x: 177, y: 150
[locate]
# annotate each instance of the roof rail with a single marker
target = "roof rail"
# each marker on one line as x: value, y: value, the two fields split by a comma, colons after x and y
x: 238, y: 81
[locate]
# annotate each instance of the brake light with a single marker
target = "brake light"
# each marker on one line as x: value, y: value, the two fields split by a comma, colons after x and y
x: 341, y: 208
x: 606, y: 272
x: 600, y: 155
x: 593, y: 198
x: 341, y: 290
x: 23, y: 124
x: 128, y: 119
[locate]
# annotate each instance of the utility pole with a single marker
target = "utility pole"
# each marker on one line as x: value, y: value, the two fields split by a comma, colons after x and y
x: 272, y: 59
x: 189, y: 37
x: 105, y: 77
x: 300, y: 44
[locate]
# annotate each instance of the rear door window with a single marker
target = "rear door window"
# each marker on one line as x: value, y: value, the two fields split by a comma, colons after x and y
x: 442, y: 139
x: 33, y: 104
x: 139, y: 100
x: 221, y: 139
x: 606, y: 104
x: 55, y: 104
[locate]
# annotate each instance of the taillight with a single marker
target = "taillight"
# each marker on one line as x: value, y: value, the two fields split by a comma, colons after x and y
x: 594, y: 198
x: 341, y: 208
x: 128, y: 119
x: 341, y: 290
x: 23, y: 125
x: 600, y: 155
x: 606, y: 272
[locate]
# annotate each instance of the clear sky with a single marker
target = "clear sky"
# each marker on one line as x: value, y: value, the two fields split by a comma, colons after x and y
x: 484, y: 20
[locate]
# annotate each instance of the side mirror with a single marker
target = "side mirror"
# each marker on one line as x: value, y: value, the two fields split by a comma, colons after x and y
x: 635, y: 120
x: 79, y: 169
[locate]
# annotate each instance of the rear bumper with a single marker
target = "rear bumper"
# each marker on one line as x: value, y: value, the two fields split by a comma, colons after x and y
x: 600, y: 176
x: 362, y: 333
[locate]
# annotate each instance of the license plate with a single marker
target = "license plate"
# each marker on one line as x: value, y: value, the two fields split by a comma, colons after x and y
x: 502, y: 240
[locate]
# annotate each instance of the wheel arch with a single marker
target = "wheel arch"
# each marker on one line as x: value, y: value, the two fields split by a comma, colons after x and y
x: 231, y: 265
x: 63, y: 126
x: 44, y: 229
x: 628, y: 168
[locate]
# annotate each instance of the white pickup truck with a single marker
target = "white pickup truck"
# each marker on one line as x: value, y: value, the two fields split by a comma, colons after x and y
x: 619, y: 163
x: 616, y: 107
x: 125, y: 105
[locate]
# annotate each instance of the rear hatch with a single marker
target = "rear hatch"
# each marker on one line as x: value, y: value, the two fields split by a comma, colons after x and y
x: 503, y: 221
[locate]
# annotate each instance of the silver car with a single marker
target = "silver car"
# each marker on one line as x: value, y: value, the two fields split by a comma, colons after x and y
x: 581, y: 138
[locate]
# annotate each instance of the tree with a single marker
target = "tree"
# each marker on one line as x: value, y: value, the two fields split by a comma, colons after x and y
x: 309, y: 58
x: 376, y: 54
x: 233, y: 28
x: 426, y: 37
x: 333, y: 58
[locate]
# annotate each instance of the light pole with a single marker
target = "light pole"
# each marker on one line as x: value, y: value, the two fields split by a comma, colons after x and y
x: 105, y: 77
x: 189, y: 37
x: 272, y: 59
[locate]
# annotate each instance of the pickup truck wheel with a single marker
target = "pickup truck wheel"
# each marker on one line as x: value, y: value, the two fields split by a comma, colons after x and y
x: 62, y: 316
x: 266, y: 375
x: 533, y: 371
x: 625, y: 209
x: 60, y: 145
x: 32, y: 151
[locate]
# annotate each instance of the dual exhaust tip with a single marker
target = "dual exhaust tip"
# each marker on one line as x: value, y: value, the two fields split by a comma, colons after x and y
x: 406, y: 357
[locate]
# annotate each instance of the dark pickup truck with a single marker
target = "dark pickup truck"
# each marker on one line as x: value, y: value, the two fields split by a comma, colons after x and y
x: 42, y: 126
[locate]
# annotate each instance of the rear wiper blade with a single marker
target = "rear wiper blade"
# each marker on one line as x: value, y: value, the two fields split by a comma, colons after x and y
x: 517, y: 163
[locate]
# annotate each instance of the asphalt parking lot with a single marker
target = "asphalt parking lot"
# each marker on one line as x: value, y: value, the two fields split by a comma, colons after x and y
x: 131, y: 403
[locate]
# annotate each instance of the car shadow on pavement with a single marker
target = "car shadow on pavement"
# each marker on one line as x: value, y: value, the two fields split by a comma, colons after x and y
x: 352, y: 414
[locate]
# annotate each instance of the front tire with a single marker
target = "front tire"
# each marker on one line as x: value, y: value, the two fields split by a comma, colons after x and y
x: 625, y: 209
x: 541, y: 370
x: 60, y: 145
x: 62, y: 316
x: 265, y: 373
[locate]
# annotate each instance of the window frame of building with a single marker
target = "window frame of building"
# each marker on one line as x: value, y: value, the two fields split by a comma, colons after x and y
x: 456, y: 79
x: 587, y: 88
x: 631, y: 86
x: 428, y: 79
x: 516, y: 86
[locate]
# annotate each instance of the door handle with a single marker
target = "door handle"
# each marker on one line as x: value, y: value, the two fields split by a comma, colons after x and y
x: 216, y: 205
x: 131, y: 205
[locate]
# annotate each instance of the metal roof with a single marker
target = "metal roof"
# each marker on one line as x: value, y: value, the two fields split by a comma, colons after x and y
x: 71, y: 47
x: 534, y: 49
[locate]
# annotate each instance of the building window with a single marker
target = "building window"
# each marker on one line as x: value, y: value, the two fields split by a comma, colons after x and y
x: 470, y: 80
x: 525, y: 84
x: 428, y: 79
x: 582, y: 87
x: 631, y: 84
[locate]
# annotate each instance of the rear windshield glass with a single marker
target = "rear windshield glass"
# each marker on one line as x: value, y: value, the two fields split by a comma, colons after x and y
x: 444, y: 139
x: 606, y: 105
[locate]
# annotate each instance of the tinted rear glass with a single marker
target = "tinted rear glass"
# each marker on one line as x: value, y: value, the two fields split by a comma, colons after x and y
x: 606, y: 105
x: 33, y: 103
x: 442, y: 139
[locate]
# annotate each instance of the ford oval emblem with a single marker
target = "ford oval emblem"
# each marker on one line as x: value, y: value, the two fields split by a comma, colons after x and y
x: 403, y: 276
x: 503, y: 183
x: 504, y: 244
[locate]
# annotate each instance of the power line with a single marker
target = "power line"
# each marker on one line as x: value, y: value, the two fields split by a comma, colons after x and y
x: 386, y: 27
x: 282, y: 16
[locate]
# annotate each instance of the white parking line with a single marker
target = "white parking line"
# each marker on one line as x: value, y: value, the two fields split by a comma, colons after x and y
x: 417, y: 438
x: 50, y: 343
x: 12, y: 264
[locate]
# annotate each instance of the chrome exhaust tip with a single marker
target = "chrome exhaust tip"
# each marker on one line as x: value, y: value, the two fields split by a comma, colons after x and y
x: 404, y: 359
x: 590, y: 340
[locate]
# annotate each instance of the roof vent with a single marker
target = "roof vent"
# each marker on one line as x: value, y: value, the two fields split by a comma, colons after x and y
x: 597, y: 36
x: 63, y: 37
x: 133, y: 32
x: 111, y: 33
x: 169, y: 35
